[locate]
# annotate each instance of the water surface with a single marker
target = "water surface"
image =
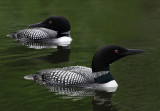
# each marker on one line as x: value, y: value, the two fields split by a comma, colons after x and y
x: 131, y: 24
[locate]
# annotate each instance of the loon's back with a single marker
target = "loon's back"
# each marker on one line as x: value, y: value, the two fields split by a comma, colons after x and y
x: 64, y: 76
x: 34, y: 34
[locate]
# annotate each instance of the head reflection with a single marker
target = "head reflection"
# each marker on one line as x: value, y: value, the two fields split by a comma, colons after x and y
x: 61, y: 54
x: 102, y: 101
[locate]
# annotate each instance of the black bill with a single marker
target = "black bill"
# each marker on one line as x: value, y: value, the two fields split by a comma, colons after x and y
x: 40, y: 24
x: 134, y: 51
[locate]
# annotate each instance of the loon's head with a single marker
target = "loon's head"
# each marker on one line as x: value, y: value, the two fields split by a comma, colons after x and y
x: 108, y: 54
x: 56, y: 23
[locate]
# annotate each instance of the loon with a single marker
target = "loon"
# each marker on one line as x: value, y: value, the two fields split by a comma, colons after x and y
x: 53, y: 29
x: 98, y: 76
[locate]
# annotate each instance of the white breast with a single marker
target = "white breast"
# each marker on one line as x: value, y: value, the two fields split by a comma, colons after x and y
x: 63, y: 41
x: 112, y: 83
x: 109, y: 87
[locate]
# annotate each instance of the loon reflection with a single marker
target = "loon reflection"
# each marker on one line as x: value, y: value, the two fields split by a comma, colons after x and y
x: 101, y: 99
x: 61, y: 54
x: 42, y: 45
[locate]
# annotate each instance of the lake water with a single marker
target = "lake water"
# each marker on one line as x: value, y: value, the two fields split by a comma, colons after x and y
x: 131, y: 24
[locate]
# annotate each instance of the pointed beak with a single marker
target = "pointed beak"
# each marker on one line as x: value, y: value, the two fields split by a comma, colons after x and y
x: 134, y: 51
x: 40, y: 24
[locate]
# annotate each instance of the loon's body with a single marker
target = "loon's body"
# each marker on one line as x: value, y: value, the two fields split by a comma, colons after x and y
x: 55, y: 27
x: 35, y: 34
x: 98, y: 77
x: 67, y: 76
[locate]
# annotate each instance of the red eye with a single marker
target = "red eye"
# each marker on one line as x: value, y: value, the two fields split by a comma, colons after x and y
x: 116, y: 51
x: 50, y: 22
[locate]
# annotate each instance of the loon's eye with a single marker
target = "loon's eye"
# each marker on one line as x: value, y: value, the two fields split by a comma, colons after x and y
x: 116, y: 51
x: 50, y: 22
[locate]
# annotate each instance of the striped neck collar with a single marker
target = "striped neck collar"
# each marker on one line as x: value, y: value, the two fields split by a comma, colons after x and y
x: 68, y: 32
x: 102, y: 77
x: 64, y: 34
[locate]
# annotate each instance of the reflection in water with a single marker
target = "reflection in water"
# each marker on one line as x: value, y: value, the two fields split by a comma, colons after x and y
x: 70, y: 92
x: 60, y: 55
x: 38, y: 45
x: 43, y: 44
x: 101, y: 100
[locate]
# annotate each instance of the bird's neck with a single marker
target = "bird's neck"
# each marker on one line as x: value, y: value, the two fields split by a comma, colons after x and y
x: 98, y: 66
x: 103, y: 77
x: 100, y: 69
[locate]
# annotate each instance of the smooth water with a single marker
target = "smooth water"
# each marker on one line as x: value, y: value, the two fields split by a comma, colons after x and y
x: 128, y: 23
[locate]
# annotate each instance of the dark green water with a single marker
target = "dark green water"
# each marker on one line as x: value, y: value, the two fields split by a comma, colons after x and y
x: 131, y: 24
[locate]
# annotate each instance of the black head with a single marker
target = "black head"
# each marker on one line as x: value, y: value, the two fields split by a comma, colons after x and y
x: 57, y: 23
x: 108, y: 54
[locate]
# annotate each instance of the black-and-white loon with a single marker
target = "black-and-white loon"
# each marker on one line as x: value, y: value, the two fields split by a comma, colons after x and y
x: 53, y: 29
x: 99, y: 74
